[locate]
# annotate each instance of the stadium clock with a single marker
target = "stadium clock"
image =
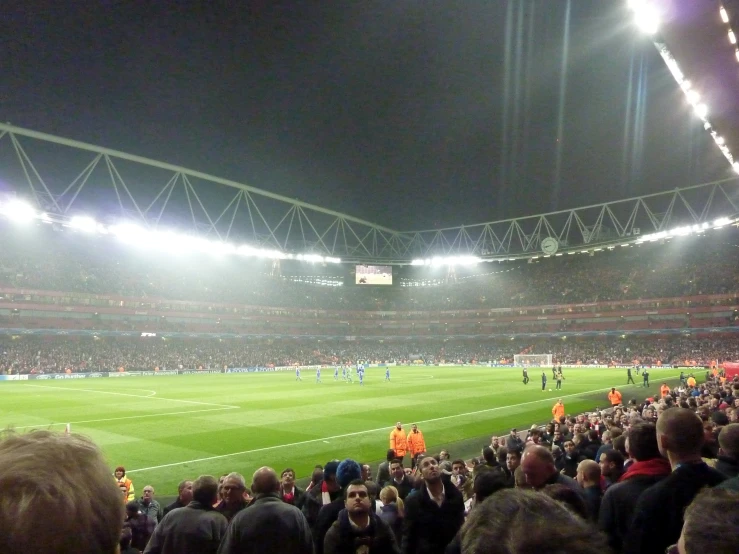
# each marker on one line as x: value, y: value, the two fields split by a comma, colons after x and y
x: 549, y: 245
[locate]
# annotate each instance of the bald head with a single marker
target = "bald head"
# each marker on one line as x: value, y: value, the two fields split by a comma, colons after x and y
x: 680, y: 432
x: 728, y: 440
x: 537, y: 464
x: 265, y: 481
x: 588, y: 473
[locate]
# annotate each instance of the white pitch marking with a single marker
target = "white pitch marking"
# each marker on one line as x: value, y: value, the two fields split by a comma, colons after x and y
x: 354, y: 434
x: 133, y: 395
x: 127, y: 417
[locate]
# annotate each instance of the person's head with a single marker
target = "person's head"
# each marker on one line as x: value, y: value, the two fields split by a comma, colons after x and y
x: 414, y: 428
x: 390, y: 455
x: 641, y: 442
x: 396, y: 469
x: 557, y: 435
x: 147, y: 494
x: 120, y: 472
x: 709, y: 521
x: 366, y: 472
x: 126, y: 538
x: 568, y: 497
x: 514, y: 432
x: 495, y: 442
x: 329, y: 475
x: 398, y: 425
x: 611, y: 464
x: 728, y: 440
x: 588, y: 473
x: 526, y: 521
x: 430, y: 471
x: 444, y: 455
x: 613, y: 389
x: 680, y: 433
x: 184, y: 492
x: 265, y: 481
x: 458, y: 467
x: 204, y: 490
x: 619, y: 445
x: 513, y: 459
x: 389, y: 495
x: 348, y: 471
x: 569, y: 447
x: 488, y: 455
x: 232, y: 489
x: 488, y: 483
x: 356, y: 498
x: 537, y: 465
x: 57, y: 496
x: 287, y: 478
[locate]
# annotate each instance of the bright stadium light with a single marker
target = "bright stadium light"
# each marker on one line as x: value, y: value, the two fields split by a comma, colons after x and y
x: 732, y: 37
x: 84, y: 223
x: 18, y: 211
x: 736, y: 166
x: 647, y: 18
x: 693, y: 96
x: 720, y: 222
x: 724, y: 15
x: 719, y: 140
x: 701, y: 110
x: 736, y: 53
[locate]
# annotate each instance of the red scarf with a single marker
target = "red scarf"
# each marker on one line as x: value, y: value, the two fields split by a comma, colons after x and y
x: 656, y: 467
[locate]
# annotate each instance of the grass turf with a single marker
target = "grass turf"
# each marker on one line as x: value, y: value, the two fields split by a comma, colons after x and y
x: 164, y: 429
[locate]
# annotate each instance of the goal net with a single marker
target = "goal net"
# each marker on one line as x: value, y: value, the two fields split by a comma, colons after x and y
x: 529, y: 360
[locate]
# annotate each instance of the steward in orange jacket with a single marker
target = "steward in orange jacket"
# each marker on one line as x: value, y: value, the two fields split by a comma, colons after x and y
x: 125, y: 484
x: 398, y: 441
x: 558, y: 410
x: 416, y: 444
x: 615, y: 397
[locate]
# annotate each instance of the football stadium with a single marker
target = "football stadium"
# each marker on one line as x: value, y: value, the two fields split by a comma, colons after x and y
x: 391, y: 367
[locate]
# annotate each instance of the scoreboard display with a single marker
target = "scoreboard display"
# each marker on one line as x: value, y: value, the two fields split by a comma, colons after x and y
x: 374, y: 275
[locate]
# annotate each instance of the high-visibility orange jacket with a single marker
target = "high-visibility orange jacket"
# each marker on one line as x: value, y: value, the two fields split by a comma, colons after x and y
x: 398, y: 442
x: 416, y: 444
x: 558, y: 410
x: 125, y: 484
x: 615, y: 398
x: 664, y: 390
x: 691, y: 381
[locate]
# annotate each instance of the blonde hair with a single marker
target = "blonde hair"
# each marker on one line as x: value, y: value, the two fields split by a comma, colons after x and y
x: 57, y: 496
x: 389, y: 494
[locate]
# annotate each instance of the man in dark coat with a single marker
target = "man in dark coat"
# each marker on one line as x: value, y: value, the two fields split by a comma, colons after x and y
x: 268, y: 524
x: 658, y: 515
x: 347, y: 471
x: 433, y: 515
x: 288, y: 491
x: 322, y: 493
x: 357, y: 527
x: 184, y: 497
x: 195, y: 529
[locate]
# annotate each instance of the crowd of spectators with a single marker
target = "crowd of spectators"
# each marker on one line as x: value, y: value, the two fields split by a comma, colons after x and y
x: 660, y: 475
x: 59, y: 354
x: 48, y: 260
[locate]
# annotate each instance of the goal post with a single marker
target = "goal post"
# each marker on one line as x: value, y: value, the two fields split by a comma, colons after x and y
x: 532, y: 360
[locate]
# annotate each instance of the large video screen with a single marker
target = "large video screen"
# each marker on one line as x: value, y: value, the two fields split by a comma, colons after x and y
x: 374, y: 275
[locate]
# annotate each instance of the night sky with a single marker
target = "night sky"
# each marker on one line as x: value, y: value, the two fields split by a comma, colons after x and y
x: 410, y: 113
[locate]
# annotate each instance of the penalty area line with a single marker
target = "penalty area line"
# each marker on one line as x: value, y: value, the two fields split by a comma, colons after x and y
x: 357, y: 433
x: 43, y: 425
x: 65, y: 389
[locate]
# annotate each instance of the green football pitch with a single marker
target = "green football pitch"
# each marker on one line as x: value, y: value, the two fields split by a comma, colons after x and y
x: 164, y: 429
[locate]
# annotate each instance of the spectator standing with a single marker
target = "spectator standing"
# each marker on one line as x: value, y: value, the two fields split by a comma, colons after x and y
x: 149, y: 506
x: 347, y: 471
x: 433, y: 515
x: 728, y: 456
x: 658, y: 515
x: 195, y: 529
x: 588, y: 477
x: 399, y: 478
x: 125, y: 485
x: 615, y: 397
x: 233, y: 494
x: 357, y: 529
x: 383, y: 470
x: 141, y: 525
x: 537, y: 465
x: 513, y: 441
x: 269, y: 524
x: 288, y: 491
x: 184, y: 497
x: 322, y: 493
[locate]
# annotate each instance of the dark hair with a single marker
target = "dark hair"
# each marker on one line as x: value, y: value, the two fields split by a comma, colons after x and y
x: 355, y: 483
x: 516, y: 451
x: 489, y: 455
x: 205, y: 489
x: 516, y: 520
x: 284, y: 471
x: 615, y: 457
x: 487, y: 483
x: 396, y: 461
x: 619, y: 445
x: 569, y: 497
x: 709, y: 520
x: 390, y: 456
x: 126, y: 537
x: 643, y: 442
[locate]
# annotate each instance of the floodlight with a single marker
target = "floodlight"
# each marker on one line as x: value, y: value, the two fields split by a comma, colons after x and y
x: 719, y: 140
x: 720, y: 222
x: 736, y: 53
x: 701, y: 110
x: 83, y: 223
x: 736, y: 166
x: 693, y: 96
x: 724, y: 15
x: 18, y: 211
x: 647, y: 19
x: 732, y: 37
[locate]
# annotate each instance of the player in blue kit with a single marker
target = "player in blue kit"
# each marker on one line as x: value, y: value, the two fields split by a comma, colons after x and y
x: 387, y: 374
x: 343, y: 373
x: 336, y: 373
x: 318, y: 375
x: 297, y: 374
x: 361, y: 377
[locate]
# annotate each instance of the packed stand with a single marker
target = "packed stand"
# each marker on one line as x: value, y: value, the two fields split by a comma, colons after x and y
x: 49, y: 260
x: 57, y: 355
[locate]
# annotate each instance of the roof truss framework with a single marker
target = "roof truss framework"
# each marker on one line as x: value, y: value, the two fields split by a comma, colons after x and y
x: 68, y: 178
